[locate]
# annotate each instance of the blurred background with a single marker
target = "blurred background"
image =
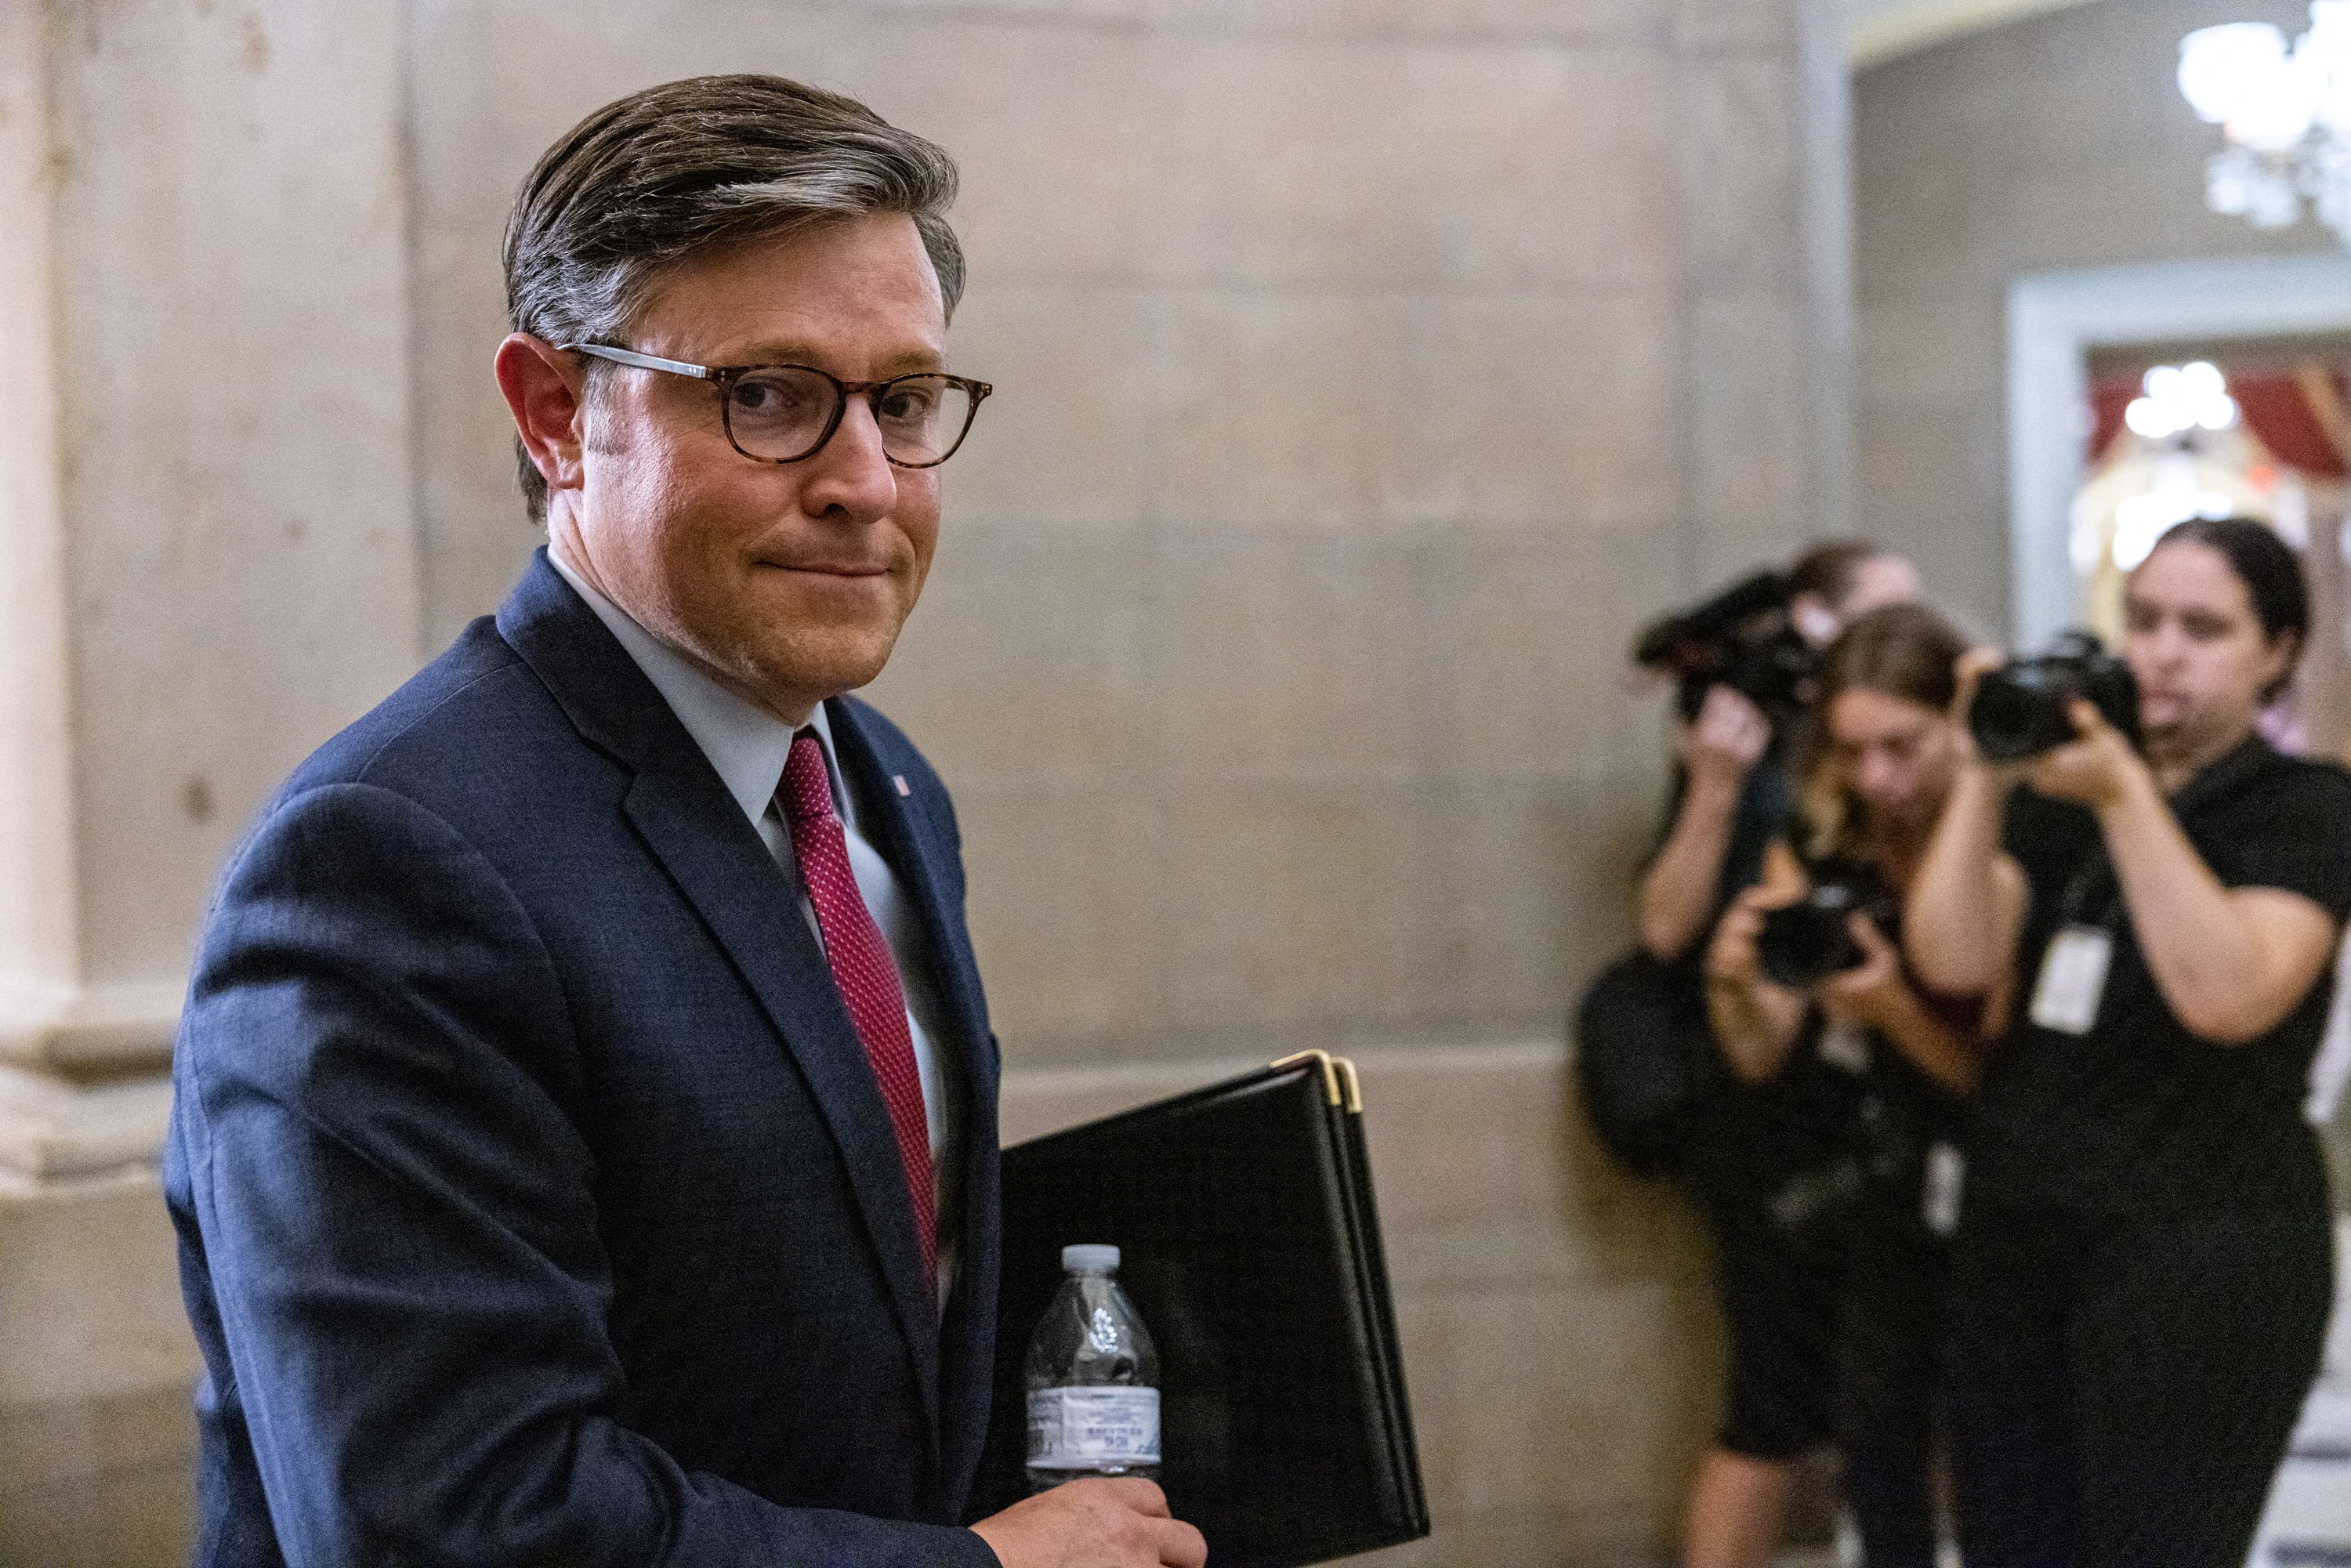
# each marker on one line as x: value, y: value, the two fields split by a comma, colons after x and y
x: 1267, y: 733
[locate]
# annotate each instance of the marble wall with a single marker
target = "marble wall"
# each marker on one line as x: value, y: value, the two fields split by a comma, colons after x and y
x: 1269, y: 729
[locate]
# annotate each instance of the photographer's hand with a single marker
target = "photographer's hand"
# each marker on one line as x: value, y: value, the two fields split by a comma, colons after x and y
x: 1870, y: 992
x: 1678, y: 891
x: 1729, y: 738
x: 1967, y: 676
x: 1964, y: 907
x: 1756, y: 1021
x: 1875, y: 995
x: 2097, y: 769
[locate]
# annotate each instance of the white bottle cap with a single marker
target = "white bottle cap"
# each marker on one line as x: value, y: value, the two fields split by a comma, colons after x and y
x: 1085, y: 1259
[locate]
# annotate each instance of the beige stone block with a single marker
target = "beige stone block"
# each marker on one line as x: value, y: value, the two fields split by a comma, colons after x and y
x: 1295, y: 904
x: 1739, y: 170
x: 37, y: 947
x: 1509, y: 893
x: 1027, y: 659
x: 1535, y: 891
x: 232, y: 308
x: 1064, y: 441
x: 1535, y: 1537
x: 1930, y: 482
x: 1045, y: 114
x: 1930, y: 345
x: 1467, y: 1134
x: 1454, y: 410
x: 100, y: 1484
x: 1063, y: 916
x: 1531, y: 627
x: 1913, y: 233
x: 95, y: 1377
x: 89, y: 1291
x: 1504, y: 165
x: 1517, y: 19
x: 1290, y: 650
x: 1549, y: 1376
x: 1064, y: 148
x: 1734, y: 24
x: 1482, y: 1153
x: 1524, y: 1400
x: 1747, y: 472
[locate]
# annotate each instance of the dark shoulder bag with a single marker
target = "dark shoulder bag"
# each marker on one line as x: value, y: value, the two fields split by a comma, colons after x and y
x: 1645, y: 1059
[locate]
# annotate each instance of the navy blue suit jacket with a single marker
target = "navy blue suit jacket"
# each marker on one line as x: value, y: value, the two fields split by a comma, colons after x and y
x: 536, y: 1202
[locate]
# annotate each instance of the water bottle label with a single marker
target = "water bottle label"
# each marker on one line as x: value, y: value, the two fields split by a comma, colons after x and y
x: 1086, y: 1428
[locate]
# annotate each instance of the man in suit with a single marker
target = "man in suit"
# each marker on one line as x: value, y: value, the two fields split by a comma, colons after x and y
x: 585, y: 1143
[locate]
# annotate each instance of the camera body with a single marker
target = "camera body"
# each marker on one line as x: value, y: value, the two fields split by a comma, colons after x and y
x: 1741, y: 638
x: 1803, y: 943
x: 2020, y: 709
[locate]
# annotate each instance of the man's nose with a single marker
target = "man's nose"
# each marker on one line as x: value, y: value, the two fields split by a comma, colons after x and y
x: 851, y: 476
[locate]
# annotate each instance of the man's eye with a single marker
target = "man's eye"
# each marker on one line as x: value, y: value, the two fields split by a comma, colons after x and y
x: 773, y: 397
x: 907, y: 405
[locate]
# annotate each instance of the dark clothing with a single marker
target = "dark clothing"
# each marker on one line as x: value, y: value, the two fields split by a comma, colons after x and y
x: 1891, y: 1360
x: 2143, y: 1274
x: 2138, y: 1113
x: 2126, y: 1381
x: 1757, y: 1154
x: 536, y: 1202
x: 1779, y: 1286
x: 1894, y: 1329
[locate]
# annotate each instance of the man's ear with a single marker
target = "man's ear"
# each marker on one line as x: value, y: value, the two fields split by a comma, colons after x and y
x: 545, y: 390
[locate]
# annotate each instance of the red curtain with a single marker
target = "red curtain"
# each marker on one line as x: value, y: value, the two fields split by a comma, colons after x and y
x: 2298, y: 415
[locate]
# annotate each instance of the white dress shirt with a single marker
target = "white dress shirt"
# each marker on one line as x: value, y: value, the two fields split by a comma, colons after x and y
x: 747, y: 747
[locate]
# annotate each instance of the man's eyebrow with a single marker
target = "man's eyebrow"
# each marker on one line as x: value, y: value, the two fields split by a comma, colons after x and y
x: 777, y: 352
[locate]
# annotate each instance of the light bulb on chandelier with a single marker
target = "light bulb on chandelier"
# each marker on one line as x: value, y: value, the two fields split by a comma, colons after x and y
x: 2286, y: 112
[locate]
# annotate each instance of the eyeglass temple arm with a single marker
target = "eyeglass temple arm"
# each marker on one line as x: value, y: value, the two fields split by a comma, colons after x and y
x: 642, y: 361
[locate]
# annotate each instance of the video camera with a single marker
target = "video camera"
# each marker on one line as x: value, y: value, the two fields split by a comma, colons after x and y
x: 1804, y: 942
x: 1741, y: 638
x: 2020, y: 709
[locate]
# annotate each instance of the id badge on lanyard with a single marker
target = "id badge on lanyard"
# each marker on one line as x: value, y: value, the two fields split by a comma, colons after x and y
x: 2072, y: 980
x: 2074, y: 968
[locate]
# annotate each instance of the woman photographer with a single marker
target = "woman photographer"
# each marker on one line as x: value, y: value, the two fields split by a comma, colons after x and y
x: 2143, y: 1271
x: 1779, y: 1282
x: 1783, y: 998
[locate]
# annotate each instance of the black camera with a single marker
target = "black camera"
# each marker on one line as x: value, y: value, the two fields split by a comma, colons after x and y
x: 1741, y: 638
x: 1804, y: 942
x: 2020, y: 709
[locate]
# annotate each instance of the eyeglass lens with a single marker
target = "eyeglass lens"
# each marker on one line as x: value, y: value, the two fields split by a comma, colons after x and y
x: 779, y: 413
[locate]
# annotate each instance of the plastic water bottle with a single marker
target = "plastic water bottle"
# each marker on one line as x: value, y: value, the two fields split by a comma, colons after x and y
x: 1093, y: 1376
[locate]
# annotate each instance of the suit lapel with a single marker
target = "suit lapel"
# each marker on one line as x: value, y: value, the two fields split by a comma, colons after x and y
x: 916, y: 847
x: 693, y: 826
x: 914, y: 856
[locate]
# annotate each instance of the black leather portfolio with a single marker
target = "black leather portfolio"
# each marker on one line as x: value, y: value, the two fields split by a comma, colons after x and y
x: 1251, y: 1250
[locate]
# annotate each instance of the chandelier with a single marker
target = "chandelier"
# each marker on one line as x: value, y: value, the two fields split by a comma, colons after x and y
x: 2286, y: 112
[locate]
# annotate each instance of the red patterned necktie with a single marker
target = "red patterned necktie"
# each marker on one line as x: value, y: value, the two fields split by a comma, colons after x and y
x: 863, y: 969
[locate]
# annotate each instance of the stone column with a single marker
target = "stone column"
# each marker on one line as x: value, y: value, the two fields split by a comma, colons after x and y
x: 210, y: 565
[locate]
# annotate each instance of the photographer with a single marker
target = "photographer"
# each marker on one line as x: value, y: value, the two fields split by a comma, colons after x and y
x: 1779, y: 1282
x: 1732, y: 786
x: 1800, y: 973
x: 2142, y: 1276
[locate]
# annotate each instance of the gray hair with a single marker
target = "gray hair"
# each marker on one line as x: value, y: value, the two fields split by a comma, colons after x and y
x: 663, y: 174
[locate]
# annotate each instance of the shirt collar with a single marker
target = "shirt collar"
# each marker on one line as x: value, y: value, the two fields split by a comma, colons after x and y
x: 745, y: 744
